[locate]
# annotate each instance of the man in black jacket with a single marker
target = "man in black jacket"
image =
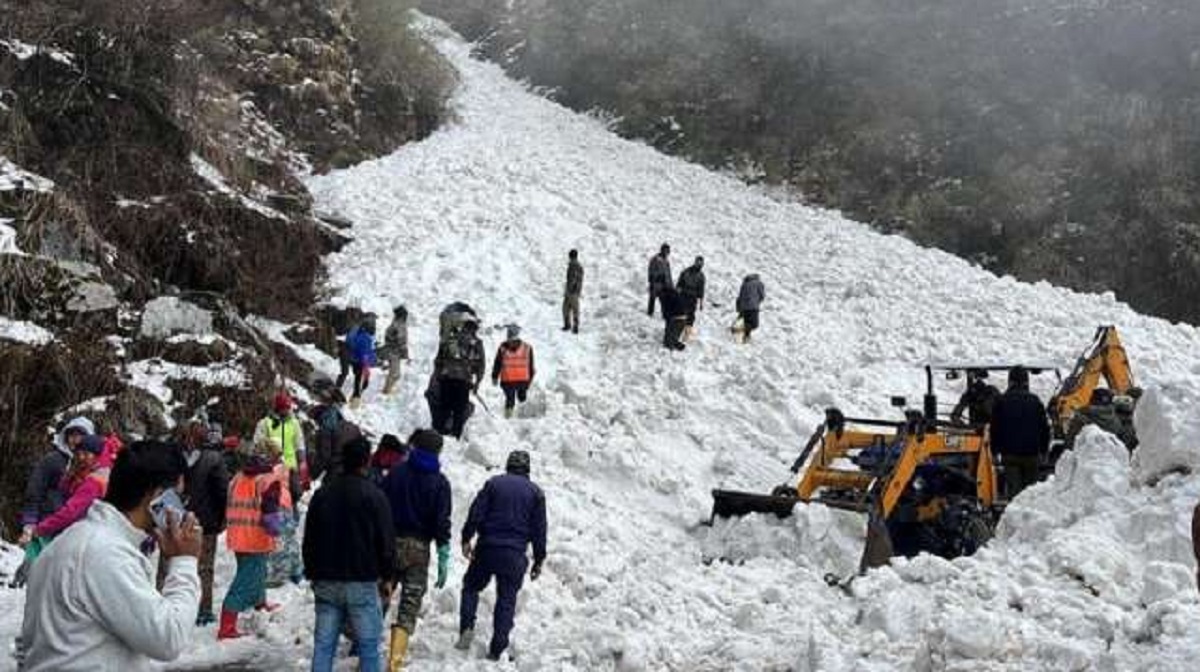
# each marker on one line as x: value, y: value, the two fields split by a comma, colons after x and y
x: 349, y: 556
x: 420, y: 500
x: 1020, y: 433
x: 508, y: 515
x: 206, y: 489
x: 691, y: 289
x: 674, y: 310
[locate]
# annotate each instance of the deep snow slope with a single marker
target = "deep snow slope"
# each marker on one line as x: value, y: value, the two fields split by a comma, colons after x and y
x: 1091, y: 570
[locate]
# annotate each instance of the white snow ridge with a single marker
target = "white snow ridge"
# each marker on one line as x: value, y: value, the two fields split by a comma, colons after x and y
x: 1091, y: 570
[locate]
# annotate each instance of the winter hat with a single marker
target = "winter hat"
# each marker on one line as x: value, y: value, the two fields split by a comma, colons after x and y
x: 1018, y: 376
x: 92, y: 443
x: 518, y: 463
x: 283, y: 403
x: 426, y: 439
x: 401, y: 312
x: 513, y: 331
x: 391, y: 442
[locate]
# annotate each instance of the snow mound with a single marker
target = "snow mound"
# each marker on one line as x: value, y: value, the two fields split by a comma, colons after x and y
x: 24, y: 332
x: 1168, y: 426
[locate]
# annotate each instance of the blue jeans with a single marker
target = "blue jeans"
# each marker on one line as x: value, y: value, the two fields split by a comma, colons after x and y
x: 341, y: 601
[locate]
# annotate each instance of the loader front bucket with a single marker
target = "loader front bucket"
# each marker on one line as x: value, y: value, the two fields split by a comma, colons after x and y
x: 733, y: 504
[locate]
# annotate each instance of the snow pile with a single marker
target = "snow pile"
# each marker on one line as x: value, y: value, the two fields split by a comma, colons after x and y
x: 169, y: 315
x: 24, y: 332
x: 1168, y: 427
x: 153, y: 376
x: 13, y: 177
x: 24, y: 51
x: 8, y: 238
x: 1090, y: 570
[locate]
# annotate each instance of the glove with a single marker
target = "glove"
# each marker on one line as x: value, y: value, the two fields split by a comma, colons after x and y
x: 536, y: 571
x: 443, y: 552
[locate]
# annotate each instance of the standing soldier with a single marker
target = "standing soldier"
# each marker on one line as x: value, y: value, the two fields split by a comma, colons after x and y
x: 420, y: 500
x: 395, y: 347
x: 749, y: 300
x: 573, y: 291
x: 508, y: 514
x: 513, y: 369
x: 691, y: 289
x: 659, y: 275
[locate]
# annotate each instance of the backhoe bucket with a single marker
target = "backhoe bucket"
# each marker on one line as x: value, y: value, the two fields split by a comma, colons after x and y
x: 732, y: 504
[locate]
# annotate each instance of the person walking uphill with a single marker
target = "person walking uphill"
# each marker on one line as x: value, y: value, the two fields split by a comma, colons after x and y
x: 749, y: 300
x: 420, y: 500
x: 457, y: 371
x: 508, y: 514
x: 254, y: 518
x: 572, y: 293
x: 659, y: 276
x: 92, y: 604
x: 513, y: 369
x: 691, y: 288
x: 395, y: 347
x: 349, y: 556
x: 357, y: 354
x: 1020, y: 432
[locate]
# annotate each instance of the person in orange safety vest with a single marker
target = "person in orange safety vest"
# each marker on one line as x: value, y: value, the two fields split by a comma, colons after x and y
x: 513, y: 369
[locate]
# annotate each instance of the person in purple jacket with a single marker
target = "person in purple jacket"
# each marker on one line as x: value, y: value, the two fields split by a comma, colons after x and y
x: 508, y: 514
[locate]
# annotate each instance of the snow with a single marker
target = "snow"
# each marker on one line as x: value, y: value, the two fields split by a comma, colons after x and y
x: 1090, y: 570
x: 210, y: 174
x: 8, y: 238
x: 169, y: 315
x: 153, y: 375
x: 24, y: 51
x: 13, y: 177
x: 24, y: 332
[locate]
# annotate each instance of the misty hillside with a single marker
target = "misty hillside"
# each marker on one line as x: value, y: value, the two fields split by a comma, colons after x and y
x: 1050, y: 140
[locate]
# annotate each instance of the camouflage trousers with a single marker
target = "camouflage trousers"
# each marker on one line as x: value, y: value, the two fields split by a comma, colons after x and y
x: 412, y: 575
x: 285, y: 563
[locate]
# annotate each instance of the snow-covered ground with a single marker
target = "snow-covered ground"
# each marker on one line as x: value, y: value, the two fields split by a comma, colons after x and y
x: 1091, y: 570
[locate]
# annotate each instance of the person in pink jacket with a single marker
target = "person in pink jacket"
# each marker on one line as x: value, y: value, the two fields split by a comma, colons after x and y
x: 85, y: 482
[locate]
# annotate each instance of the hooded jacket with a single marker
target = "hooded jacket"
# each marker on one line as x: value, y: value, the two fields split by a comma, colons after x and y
x: 691, y: 283
x: 92, y: 605
x: 80, y: 490
x: 752, y: 294
x: 43, y: 495
x: 419, y: 495
x: 509, y: 512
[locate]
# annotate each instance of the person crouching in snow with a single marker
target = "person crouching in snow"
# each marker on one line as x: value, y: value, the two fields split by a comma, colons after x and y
x: 254, y: 518
x: 513, y: 369
x: 92, y: 604
x: 395, y: 347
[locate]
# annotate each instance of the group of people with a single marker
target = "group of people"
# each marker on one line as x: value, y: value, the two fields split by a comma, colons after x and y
x: 681, y: 299
x: 1019, y: 425
x: 97, y: 511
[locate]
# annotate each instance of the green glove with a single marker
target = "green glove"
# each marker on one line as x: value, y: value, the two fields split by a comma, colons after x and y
x: 443, y: 565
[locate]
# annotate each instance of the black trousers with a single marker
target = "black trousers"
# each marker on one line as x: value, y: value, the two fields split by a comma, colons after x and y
x: 672, y: 332
x: 455, y: 401
x: 514, y: 392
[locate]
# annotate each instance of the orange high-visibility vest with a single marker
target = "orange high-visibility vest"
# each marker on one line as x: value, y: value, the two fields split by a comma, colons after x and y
x: 244, y: 525
x: 514, y: 364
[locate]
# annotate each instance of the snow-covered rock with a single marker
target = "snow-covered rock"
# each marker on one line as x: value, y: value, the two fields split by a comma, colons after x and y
x: 169, y: 315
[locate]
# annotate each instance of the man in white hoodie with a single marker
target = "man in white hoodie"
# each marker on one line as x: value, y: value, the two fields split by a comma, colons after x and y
x: 91, y: 602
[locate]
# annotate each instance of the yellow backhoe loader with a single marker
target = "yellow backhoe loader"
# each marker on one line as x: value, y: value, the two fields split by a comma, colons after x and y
x: 1103, y: 361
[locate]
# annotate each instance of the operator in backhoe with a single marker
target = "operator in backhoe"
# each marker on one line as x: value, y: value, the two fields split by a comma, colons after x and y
x: 978, y: 399
x: 1102, y: 411
x: 1020, y: 432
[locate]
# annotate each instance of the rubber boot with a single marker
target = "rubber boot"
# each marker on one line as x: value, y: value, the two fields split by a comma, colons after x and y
x: 205, y: 618
x: 397, y: 649
x: 464, y: 639
x: 228, y: 628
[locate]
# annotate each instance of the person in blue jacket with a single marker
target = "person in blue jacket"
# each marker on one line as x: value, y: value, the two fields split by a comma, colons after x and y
x: 508, y: 514
x: 359, y: 355
x: 420, y: 499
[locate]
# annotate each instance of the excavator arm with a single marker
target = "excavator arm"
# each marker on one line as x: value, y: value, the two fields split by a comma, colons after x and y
x: 1104, y: 359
